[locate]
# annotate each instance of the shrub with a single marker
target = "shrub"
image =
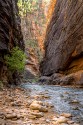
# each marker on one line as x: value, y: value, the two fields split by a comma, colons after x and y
x: 1, y: 85
x: 16, y: 60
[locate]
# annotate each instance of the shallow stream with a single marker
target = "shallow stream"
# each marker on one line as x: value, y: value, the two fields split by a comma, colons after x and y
x: 64, y: 99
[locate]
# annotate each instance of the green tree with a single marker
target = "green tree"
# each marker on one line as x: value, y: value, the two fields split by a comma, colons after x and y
x: 15, y: 61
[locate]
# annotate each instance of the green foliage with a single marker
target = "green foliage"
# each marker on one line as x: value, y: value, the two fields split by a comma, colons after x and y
x: 35, y: 16
x: 15, y: 61
x: 1, y: 84
x: 26, y: 6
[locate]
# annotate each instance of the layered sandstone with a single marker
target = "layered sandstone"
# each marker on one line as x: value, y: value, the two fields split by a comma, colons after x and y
x: 64, y: 39
x: 10, y: 33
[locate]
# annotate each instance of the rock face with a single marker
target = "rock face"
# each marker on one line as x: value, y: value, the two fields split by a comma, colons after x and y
x: 64, y: 39
x: 10, y: 32
x: 31, y: 65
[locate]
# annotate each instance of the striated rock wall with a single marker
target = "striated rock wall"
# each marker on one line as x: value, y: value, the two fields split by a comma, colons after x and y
x: 10, y: 33
x: 64, y: 39
x: 31, y: 65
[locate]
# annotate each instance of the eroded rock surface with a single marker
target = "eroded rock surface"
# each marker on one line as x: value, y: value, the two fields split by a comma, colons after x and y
x: 31, y: 65
x: 10, y: 33
x: 64, y: 39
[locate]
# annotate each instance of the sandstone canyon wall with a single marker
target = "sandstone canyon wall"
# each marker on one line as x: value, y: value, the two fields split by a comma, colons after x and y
x: 10, y: 33
x: 64, y: 42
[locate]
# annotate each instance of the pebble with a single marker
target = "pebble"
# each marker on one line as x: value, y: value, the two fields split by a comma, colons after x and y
x: 32, y: 116
x: 61, y: 119
x: 75, y: 101
x: 63, y: 124
x: 49, y: 104
x: 11, y: 116
x: 67, y: 115
x: 38, y: 115
x: 47, y: 120
x: 75, y: 124
x: 54, y: 119
x: 70, y: 122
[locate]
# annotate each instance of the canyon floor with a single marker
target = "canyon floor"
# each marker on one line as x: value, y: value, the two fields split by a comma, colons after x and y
x: 19, y: 107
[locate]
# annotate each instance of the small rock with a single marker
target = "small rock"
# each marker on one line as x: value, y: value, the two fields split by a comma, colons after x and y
x: 2, y: 115
x: 43, y: 109
x: 32, y: 116
x: 38, y: 115
x: 70, y: 122
x: 75, y: 124
x: 49, y: 105
x: 75, y: 101
x: 28, y: 103
x: 60, y: 120
x: 67, y: 115
x: 46, y: 96
x: 63, y: 124
x: 75, y: 108
x: 66, y: 93
x: 47, y: 120
x: 39, y: 102
x: 11, y: 116
x: 44, y: 79
x: 19, y: 103
x: 54, y: 119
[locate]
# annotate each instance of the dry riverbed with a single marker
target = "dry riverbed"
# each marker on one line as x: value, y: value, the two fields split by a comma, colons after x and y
x: 18, y: 107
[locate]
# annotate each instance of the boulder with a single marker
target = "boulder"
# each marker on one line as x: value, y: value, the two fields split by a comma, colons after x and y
x: 74, y: 79
x: 29, y: 74
x: 44, y: 79
x: 37, y: 105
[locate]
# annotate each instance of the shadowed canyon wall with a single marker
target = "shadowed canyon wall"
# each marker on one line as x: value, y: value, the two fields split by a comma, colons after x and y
x: 64, y: 40
x: 10, y: 33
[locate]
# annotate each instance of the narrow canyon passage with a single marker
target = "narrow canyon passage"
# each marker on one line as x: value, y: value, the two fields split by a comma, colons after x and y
x: 41, y: 62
